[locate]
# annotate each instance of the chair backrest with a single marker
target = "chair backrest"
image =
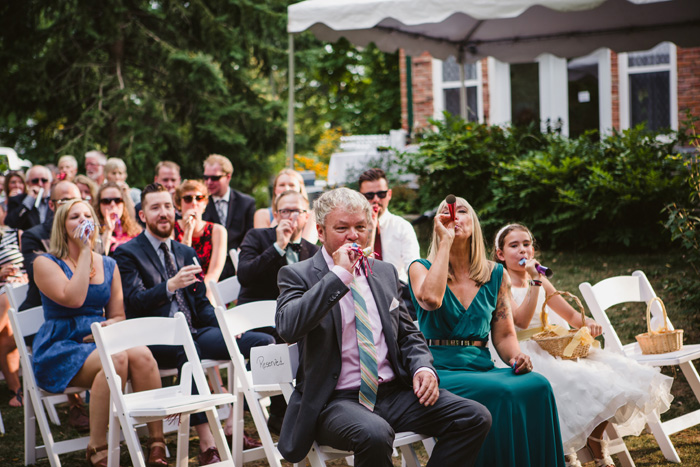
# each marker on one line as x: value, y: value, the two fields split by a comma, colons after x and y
x: 613, y: 291
x: 16, y: 294
x: 233, y: 253
x: 240, y: 319
x: 135, y: 332
x: 25, y: 324
x: 225, y: 291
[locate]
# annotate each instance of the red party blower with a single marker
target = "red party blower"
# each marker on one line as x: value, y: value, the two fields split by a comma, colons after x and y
x: 451, y: 200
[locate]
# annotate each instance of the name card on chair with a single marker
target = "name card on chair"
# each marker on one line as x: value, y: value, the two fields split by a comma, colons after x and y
x: 276, y: 363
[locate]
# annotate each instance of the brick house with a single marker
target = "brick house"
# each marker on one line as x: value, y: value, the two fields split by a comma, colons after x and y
x: 603, y: 90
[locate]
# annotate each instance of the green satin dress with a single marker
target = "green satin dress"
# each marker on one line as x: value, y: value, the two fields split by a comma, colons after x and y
x: 525, y: 430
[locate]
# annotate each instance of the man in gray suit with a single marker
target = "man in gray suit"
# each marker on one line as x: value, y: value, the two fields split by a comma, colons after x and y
x: 365, y: 370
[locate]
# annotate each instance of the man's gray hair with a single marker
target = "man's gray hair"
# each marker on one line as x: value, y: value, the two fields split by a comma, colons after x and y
x: 73, y: 161
x: 345, y: 198
x: 99, y: 155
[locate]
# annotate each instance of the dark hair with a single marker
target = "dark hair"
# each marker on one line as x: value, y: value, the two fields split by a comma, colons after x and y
x: 151, y: 188
x: 500, y: 240
x: 9, y: 176
x: 371, y: 175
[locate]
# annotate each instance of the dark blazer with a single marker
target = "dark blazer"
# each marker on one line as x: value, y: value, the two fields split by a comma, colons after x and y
x: 34, y: 242
x: 308, y: 312
x: 241, y: 209
x: 259, y: 262
x: 144, y: 282
x: 19, y: 217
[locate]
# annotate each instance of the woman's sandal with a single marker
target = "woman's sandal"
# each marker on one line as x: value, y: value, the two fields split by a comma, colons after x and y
x: 102, y: 462
x: 156, y: 453
x: 606, y: 461
x: 572, y: 460
x: 18, y: 397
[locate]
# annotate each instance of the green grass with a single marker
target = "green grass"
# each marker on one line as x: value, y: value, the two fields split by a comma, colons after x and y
x: 665, y: 271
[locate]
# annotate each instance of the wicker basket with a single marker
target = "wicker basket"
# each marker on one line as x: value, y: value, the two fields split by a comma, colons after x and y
x: 555, y: 344
x: 662, y: 341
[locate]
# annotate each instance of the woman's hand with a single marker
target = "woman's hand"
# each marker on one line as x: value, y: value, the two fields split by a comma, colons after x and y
x: 444, y: 228
x: 6, y: 271
x: 521, y: 364
x: 189, y: 218
x: 595, y: 328
x: 109, y: 321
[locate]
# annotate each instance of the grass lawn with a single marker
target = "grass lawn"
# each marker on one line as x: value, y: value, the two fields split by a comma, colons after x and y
x: 665, y: 271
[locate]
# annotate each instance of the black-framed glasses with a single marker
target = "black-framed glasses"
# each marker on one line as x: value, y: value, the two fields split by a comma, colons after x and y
x: 62, y: 201
x: 286, y: 213
x: 108, y: 201
x: 36, y: 181
x: 371, y: 194
x: 213, y: 178
x: 190, y: 198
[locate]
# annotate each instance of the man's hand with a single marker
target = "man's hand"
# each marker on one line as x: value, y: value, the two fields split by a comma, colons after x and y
x: 184, y: 278
x: 284, y: 231
x: 33, y: 190
x: 425, y: 386
x: 345, y: 257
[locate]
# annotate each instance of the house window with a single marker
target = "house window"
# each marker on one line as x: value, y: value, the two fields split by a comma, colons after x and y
x: 446, y: 88
x: 648, y: 88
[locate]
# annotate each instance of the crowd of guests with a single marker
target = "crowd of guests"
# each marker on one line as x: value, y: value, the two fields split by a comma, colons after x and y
x: 94, y: 249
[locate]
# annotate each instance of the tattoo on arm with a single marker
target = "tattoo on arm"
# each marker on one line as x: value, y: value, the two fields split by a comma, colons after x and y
x: 502, y: 302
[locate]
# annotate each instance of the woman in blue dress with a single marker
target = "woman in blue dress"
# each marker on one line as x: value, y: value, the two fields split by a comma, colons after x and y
x: 76, y: 285
x: 460, y: 298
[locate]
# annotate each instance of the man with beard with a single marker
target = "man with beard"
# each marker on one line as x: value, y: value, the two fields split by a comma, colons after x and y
x: 95, y: 166
x: 159, y: 278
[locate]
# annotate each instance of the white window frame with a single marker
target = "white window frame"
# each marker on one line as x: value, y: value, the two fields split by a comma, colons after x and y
x: 439, y: 86
x: 624, y: 71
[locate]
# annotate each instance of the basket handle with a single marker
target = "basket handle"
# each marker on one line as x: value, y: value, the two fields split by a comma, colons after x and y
x: 663, y: 308
x: 544, y: 314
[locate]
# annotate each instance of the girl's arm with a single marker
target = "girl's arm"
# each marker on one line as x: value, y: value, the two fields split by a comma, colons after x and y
x: 53, y: 283
x: 114, y: 311
x: 523, y: 313
x: 219, y: 241
x: 429, y: 284
x: 503, y: 332
x: 561, y: 307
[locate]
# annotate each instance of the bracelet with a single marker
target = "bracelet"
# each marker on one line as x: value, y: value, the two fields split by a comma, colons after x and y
x: 535, y: 283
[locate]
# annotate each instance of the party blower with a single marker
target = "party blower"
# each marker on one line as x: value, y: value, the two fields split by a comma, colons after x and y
x: 451, y: 200
x: 545, y: 271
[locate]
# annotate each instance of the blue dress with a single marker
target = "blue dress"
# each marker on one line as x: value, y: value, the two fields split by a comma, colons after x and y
x: 525, y: 430
x: 59, y: 350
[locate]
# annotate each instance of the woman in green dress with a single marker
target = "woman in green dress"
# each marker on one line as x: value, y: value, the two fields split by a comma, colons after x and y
x: 460, y: 298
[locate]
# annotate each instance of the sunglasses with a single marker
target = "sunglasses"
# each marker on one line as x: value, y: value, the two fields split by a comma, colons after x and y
x: 371, y: 194
x: 36, y: 181
x: 108, y: 201
x: 189, y: 198
x: 213, y: 178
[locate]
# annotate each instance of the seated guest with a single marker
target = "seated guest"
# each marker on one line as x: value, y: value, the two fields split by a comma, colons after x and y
x: 24, y: 211
x: 113, y: 218
x: 14, y: 184
x: 355, y: 397
x: 168, y: 175
x: 160, y: 279
x: 88, y: 188
x: 67, y: 168
x: 286, y: 179
x: 94, y: 166
x: 395, y: 240
x: 77, y: 287
x: 207, y: 238
x: 115, y: 171
x: 461, y: 297
x: 230, y: 208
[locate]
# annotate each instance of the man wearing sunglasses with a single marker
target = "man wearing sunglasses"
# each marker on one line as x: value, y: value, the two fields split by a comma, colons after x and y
x: 395, y: 240
x: 228, y: 207
x: 28, y: 209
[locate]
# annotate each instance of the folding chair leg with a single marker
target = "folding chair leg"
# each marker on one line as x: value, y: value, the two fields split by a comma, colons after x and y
x: 219, y: 439
x: 45, y: 431
x: 29, y: 429
x: 623, y: 455
x: 409, y: 458
x: 238, y: 425
x: 113, y: 438
x: 50, y: 404
x: 662, y: 438
x: 183, y: 441
x: 429, y: 444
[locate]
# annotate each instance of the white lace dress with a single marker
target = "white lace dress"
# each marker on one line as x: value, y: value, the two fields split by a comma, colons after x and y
x: 603, y: 386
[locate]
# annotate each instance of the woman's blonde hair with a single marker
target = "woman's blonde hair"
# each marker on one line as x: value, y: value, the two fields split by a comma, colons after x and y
x: 59, y: 235
x: 87, y: 181
x: 295, y: 175
x: 129, y: 224
x: 479, y: 265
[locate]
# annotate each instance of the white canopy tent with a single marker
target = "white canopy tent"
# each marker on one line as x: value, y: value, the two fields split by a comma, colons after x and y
x: 509, y: 30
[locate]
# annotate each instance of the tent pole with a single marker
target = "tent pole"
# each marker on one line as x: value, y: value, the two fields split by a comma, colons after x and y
x: 462, y: 87
x: 290, y: 105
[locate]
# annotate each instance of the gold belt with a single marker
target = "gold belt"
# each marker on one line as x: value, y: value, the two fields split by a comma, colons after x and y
x: 457, y: 342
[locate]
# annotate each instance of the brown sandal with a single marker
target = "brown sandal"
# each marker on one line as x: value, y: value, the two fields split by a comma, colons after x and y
x: 92, y: 451
x: 156, y: 453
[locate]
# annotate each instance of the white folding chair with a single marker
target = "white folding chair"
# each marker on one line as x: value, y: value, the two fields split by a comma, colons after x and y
x: 636, y: 288
x: 233, y: 322
x: 142, y: 407
x: 225, y: 291
x: 24, y: 324
x: 233, y: 253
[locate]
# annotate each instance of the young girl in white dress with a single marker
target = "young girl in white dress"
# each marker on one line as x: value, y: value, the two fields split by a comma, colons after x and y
x: 590, y: 392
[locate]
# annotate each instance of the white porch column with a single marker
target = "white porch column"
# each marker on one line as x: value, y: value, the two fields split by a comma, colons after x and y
x: 499, y: 92
x: 554, y: 91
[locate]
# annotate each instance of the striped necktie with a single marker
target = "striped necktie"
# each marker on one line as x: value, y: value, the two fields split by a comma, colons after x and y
x: 369, y: 379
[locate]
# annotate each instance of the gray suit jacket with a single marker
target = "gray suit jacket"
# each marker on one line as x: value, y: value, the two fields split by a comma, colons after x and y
x: 308, y: 312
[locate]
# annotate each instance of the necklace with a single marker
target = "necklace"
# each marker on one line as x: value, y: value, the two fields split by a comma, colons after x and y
x: 93, y: 271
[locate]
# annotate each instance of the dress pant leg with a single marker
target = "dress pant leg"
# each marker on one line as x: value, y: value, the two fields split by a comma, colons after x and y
x: 460, y: 424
